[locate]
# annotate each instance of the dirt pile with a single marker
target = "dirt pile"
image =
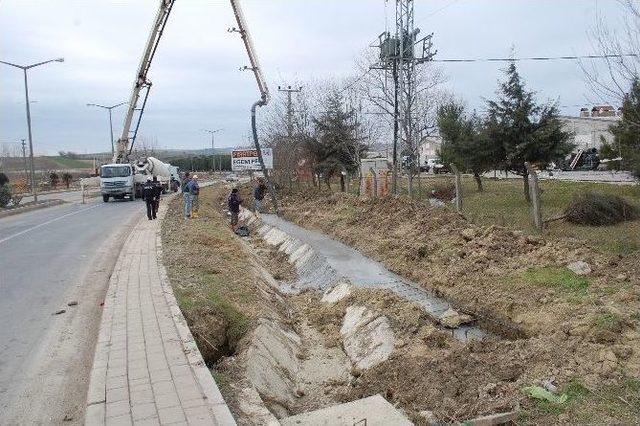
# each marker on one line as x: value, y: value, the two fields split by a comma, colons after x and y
x: 580, y: 331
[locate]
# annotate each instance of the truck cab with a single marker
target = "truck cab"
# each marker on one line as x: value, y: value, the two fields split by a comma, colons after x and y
x: 117, y: 181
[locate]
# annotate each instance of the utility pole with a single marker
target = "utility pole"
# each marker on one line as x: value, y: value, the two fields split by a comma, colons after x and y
x: 400, y: 54
x: 289, y: 91
x: 24, y: 158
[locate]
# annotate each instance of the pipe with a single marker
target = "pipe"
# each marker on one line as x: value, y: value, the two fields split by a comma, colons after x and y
x: 272, y: 192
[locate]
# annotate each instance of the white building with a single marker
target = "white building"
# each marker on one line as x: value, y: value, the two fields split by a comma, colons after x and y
x: 429, y: 148
x: 592, y: 127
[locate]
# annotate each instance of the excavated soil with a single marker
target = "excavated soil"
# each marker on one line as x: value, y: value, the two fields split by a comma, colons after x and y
x: 568, y: 329
x: 583, y: 340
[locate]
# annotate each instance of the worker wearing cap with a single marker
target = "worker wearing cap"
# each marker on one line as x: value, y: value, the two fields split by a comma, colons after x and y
x: 194, y: 192
x: 149, y: 192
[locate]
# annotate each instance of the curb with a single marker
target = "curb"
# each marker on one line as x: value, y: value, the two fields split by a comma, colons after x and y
x: 45, y: 204
x: 200, y: 370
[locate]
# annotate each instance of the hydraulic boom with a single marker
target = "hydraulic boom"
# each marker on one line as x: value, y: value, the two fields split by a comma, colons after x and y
x: 128, y: 138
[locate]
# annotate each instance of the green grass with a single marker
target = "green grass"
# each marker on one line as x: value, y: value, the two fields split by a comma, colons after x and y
x: 620, y: 401
x: 238, y: 321
x: 222, y: 380
x: 608, y: 322
x: 557, y: 277
x: 70, y: 163
x: 502, y: 203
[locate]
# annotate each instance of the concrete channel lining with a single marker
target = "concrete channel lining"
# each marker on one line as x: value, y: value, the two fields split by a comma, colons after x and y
x: 322, y: 263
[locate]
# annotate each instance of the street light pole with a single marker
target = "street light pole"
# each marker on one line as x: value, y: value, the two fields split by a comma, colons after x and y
x: 24, y: 158
x: 34, y: 189
x: 109, y: 108
x: 24, y: 68
x: 213, y: 155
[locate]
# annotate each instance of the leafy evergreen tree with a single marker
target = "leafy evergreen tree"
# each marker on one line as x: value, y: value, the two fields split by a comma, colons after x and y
x: 464, y: 141
x: 524, y: 131
x: 627, y: 131
x: 335, y: 146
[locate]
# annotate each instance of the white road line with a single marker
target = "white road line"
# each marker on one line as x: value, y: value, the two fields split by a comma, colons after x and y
x: 46, y: 223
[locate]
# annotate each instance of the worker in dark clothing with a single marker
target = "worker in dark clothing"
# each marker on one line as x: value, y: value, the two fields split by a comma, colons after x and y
x: 159, y: 189
x: 233, y: 202
x: 258, y: 195
x: 149, y: 191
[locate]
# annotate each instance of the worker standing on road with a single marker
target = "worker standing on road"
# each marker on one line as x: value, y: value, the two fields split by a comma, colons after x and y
x: 194, y: 192
x: 233, y: 202
x: 149, y: 191
x: 186, y: 195
x: 156, y: 198
x: 258, y: 195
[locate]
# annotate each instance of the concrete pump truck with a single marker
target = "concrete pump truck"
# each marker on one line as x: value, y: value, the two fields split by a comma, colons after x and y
x: 123, y: 177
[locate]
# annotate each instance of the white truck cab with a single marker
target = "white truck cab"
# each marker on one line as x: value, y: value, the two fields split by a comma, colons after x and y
x: 117, y: 181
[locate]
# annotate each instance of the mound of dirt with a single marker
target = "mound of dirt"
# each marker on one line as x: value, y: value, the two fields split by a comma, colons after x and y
x: 563, y: 325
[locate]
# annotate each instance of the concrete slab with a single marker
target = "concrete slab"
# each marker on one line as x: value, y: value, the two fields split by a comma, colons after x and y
x: 371, y: 411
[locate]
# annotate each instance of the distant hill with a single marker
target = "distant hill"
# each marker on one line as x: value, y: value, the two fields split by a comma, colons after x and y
x: 16, y: 164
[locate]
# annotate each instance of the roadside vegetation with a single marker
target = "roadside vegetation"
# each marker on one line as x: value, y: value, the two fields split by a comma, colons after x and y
x: 580, y: 330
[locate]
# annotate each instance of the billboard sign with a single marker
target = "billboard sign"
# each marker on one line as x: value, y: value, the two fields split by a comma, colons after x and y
x: 247, y: 159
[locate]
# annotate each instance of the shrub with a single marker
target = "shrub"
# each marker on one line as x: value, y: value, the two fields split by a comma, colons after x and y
x: 5, y: 195
x: 443, y: 191
x: 597, y: 209
x: 3, y: 179
x: 67, y: 178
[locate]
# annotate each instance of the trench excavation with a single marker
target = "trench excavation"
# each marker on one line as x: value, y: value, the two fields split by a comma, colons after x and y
x: 322, y: 263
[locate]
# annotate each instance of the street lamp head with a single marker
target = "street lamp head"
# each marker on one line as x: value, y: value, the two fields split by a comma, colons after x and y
x: 59, y: 60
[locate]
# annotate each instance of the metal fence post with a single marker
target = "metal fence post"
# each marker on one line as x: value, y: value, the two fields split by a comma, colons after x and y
x: 375, y: 182
x: 458, y: 183
x: 534, y: 192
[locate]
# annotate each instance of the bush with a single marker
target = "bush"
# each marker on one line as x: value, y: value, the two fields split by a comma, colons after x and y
x: 443, y: 191
x: 5, y: 195
x: 597, y: 209
x: 3, y: 179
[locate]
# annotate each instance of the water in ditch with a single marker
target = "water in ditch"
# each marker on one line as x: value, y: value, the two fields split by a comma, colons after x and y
x: 325, y: 261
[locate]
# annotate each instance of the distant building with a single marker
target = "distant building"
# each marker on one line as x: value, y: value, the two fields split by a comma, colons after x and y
x: 429, y: 148
x: 592, y: 126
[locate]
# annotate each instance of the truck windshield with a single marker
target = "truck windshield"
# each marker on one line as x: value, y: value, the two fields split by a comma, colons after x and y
x: 115, y: 171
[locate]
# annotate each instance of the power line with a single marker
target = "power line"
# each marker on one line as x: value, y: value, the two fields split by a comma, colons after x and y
x: 538, y: 58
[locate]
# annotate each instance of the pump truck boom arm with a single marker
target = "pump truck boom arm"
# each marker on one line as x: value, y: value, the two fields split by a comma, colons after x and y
x: 126, y: 141
x: 253, y: 58
x: 262, y: 87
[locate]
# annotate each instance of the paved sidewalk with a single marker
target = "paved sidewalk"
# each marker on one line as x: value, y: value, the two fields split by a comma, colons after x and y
x: 147, y: 368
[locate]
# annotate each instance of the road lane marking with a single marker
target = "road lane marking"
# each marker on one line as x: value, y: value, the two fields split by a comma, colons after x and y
x: 17, y: 234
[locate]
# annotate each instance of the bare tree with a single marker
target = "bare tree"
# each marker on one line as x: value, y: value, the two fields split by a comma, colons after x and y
x: 621, y: 47
x: 378, y: 88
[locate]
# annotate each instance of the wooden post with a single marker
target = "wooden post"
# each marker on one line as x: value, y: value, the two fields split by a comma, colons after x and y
x: 534, y: 192
x: 82, y: 188
x: 375, y: 182
x: 458, y: 183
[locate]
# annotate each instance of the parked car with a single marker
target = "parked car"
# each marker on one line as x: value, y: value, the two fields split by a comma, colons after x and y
x: 436, y: 166
x: 231, y: 177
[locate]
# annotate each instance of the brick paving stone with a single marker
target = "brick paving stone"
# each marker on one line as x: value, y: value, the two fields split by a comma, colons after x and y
x: 141, y: 374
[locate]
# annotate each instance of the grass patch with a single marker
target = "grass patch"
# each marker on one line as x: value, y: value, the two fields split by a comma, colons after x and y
x: 222, y: 380
x: 609, y: 322
x: 238, y: 321
x: 502, y: 203
x: 557, y: 277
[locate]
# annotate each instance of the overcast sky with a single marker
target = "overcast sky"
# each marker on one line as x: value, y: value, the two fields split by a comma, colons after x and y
x: 196, y: 81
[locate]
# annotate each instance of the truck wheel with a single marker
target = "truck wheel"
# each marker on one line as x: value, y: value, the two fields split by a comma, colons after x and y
x: 105, y: 198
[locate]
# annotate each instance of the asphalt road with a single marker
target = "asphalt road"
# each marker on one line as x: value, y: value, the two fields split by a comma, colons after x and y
x: 49, y: 257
